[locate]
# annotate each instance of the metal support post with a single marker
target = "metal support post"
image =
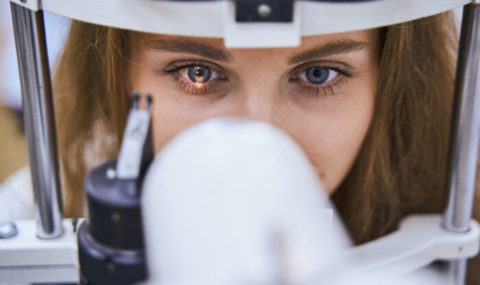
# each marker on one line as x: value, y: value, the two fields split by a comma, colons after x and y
x: 465, y: 135
x: 39, y: 119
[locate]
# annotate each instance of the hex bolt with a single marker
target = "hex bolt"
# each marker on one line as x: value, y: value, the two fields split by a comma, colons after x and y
x: 264, y: 10
x: 8, y: 230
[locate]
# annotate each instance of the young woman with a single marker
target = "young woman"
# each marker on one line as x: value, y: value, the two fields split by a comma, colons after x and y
x: 370, y: 108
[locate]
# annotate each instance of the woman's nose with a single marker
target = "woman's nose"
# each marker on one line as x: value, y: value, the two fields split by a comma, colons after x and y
x: 258, y: 105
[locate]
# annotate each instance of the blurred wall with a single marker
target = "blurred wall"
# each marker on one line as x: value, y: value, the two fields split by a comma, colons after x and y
x: 13, y: 148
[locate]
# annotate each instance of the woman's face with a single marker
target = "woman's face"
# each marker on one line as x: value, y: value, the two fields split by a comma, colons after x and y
x: 321, y: 93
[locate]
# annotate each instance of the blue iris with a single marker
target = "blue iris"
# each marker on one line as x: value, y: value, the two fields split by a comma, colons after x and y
x: 317, y: 75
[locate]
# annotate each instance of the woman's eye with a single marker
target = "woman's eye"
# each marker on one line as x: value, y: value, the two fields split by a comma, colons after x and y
x: 198, y: 78
x: 318, y: 75
x: 319, y: 80
x: 198, y: 73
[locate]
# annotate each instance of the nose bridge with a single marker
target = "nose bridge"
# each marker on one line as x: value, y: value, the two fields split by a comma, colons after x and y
x: 259, y: 79
x: 259, y: 103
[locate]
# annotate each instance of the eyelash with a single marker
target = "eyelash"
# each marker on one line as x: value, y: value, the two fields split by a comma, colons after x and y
x: 303, y: 86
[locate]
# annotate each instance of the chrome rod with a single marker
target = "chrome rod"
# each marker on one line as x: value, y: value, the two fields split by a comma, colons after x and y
x: 465, y: 127
x: 39, y: 118
x: 465, y: 134
x: 457, y: 272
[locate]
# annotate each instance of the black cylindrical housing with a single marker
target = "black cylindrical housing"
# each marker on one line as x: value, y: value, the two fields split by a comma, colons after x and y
x: 103, y: 265
x: 113, y: 209
x: 110, y: 241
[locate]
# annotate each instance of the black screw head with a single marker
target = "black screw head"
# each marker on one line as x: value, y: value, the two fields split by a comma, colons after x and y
x: 264, y: 10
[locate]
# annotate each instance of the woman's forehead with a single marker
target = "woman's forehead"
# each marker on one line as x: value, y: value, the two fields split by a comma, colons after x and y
x: 318, y: 45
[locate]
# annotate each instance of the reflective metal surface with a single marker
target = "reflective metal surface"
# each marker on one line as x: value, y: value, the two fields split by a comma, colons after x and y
x: 465, y: 127
x: 8, y: 230
x: 39, y: 119
x: 457, y: 272
x: 465, y: 135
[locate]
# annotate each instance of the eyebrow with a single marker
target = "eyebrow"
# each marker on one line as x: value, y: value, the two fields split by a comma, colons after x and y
x: 184, y: 45
x: 337, y: 47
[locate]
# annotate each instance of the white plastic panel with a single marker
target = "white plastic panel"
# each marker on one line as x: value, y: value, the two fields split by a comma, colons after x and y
x: 164, y: 17
x: 332, y: 18
x: 208, y: 19
x: 25, y: 259
x: 419, y: 241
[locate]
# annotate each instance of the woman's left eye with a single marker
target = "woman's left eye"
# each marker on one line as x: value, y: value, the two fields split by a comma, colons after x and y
x: 318, y: 75
x: 198, y: 73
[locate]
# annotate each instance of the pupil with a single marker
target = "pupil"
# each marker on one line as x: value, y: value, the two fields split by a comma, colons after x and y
x: 199, y: 74
x: 317, y: 75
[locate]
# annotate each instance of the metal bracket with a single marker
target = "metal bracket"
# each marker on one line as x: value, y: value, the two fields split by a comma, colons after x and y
x: 272, y: 11
x: 420, y: 240
x: 33, y: 5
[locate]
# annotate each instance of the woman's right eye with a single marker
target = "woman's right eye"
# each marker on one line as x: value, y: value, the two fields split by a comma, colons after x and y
x: 198, y: 79
x: 198, y: 73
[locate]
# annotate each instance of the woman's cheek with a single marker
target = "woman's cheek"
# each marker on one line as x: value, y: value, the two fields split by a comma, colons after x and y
x: 332, y: 141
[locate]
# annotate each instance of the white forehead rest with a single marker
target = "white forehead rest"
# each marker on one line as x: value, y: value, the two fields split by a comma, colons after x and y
x: 217, y: 18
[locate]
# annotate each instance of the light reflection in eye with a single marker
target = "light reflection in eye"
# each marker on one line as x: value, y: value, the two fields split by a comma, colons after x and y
x: 199, y: 78
x: 198, y: 73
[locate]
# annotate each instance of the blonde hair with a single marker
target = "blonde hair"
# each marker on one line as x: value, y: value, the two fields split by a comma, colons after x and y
x: 402, y: 165
x: 399, y: 170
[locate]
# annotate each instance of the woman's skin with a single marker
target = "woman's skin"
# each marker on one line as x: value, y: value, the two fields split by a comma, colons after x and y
x: 321, y: 93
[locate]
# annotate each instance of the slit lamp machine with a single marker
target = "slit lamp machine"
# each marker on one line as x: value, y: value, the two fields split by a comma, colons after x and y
x: 149, y: 223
